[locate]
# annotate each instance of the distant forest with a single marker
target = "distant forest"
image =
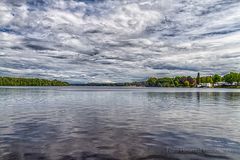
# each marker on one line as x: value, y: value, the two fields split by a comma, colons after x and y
x: 232, y: 78
x: 188, y: 81
x: 180, y: 81
x: 11, y: 81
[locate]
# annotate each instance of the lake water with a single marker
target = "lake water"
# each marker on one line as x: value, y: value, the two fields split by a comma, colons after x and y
x: 107, y: 123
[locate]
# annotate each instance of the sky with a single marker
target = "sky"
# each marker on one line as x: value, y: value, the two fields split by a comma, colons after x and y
x: 82, y: 41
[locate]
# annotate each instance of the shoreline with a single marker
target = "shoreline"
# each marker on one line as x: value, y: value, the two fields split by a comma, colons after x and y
x: 88, y: 86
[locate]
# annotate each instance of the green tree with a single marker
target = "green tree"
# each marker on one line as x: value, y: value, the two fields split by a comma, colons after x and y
x: 238, y: 79
x: 152, y: 82
x: 203, y: 79
x: 207, y: 79
x: 165, y: 82
x: 12, y: 81
x: 232, y: 77
x: 216, y: 78
x: 186, y: 84
x: 176, y: 83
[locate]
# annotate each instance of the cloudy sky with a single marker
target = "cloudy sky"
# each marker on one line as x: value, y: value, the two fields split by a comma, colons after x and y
x: 118, y: 40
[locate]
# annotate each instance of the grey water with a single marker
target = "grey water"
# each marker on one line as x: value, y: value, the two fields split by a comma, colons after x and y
x: 111, y: 123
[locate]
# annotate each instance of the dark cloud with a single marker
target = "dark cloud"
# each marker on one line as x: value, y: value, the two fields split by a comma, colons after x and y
x: 106, y: 40
x: 218, y: 6
x: 37, y: 47
x: 59, y: 57
x: 175, y: 67
x: 89, y: 1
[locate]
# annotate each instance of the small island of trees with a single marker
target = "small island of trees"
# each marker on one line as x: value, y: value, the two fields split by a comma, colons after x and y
x: 11, y: 81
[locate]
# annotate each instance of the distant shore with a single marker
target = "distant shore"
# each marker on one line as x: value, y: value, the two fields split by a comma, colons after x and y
x: 142, y: 86
x: 230, y: 80
x: 15, y: 81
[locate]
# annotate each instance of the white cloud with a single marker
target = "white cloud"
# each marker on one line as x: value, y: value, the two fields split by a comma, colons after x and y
x: 5, y: 14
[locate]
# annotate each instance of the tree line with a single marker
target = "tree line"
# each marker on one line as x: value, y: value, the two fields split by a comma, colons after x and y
x: 12, y: 81
x: 188, y: 81
x: 178, y: 81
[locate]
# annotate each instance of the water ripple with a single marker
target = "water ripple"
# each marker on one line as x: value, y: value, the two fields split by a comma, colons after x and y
x: 119, y: 124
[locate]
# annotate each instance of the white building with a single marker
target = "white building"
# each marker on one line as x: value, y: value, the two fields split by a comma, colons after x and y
x: 235, y: 83
x: 219, y: 84
x: 205, y: 85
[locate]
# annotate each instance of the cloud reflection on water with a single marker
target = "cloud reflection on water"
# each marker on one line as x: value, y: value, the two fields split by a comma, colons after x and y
x: 56, y: 124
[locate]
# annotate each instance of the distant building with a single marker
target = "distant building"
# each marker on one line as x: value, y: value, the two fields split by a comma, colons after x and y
x: 205, y: 85
x: 219, y: 84
x: 235, y: 83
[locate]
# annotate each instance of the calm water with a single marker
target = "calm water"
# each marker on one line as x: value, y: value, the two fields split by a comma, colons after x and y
x: 75, y: 123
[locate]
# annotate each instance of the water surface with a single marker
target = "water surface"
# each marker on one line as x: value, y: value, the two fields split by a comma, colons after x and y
x: 110, y: 123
